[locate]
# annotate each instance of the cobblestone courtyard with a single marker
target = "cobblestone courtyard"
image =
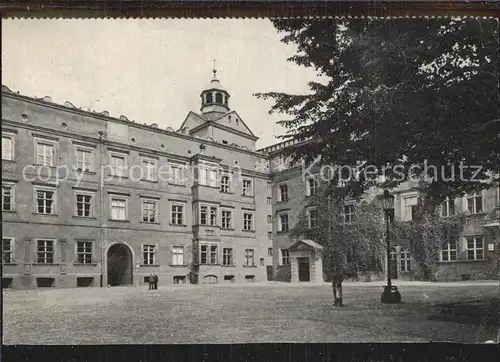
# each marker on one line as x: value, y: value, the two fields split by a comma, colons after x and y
x: 237, y: 314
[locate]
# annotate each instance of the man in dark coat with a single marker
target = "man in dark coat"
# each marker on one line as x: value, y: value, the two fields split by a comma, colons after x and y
x: 151, y: 281
x: 155, y: 282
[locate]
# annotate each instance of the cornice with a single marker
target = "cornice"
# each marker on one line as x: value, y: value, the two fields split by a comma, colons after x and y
x: 108, y: 118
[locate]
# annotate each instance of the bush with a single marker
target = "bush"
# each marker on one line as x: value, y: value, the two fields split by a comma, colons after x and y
x: 284, y: 274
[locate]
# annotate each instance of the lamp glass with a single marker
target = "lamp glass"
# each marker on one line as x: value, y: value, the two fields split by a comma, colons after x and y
x: 387, y: 200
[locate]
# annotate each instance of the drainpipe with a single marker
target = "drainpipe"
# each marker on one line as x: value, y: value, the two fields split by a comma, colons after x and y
x: 101, y: 206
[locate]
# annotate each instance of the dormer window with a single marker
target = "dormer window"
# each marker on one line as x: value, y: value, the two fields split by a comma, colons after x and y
x: 209, y: 98
x: 224, y: 142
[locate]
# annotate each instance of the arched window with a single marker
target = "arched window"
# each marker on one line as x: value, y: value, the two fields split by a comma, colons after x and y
x: 218, y: 97
x: 209, y: 98
x: 405, y: 260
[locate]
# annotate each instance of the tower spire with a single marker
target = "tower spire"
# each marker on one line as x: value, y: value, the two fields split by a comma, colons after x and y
x: 214, y: 70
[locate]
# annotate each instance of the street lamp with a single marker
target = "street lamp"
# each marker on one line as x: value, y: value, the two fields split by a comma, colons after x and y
x: 391, y: 293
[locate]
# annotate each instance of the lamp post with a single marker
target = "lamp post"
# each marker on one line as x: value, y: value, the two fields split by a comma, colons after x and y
x: 391, y: 293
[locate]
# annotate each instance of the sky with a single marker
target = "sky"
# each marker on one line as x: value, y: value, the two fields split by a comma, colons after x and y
x: 152, y: 70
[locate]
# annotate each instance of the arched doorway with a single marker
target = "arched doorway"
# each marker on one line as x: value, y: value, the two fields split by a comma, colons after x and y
x: 119, y: 265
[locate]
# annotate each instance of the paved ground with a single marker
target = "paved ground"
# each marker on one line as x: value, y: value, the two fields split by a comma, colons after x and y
x: 274, y: 312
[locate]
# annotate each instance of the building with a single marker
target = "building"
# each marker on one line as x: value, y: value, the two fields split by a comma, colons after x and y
x: 90, y: 200
x: 93, y: 200
x: 474, y: 255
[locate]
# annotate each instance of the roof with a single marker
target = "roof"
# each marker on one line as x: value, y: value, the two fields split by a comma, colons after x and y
x: 308, y: 242
x: 215, y: 84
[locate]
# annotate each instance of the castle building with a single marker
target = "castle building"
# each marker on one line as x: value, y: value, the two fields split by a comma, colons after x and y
x: 90, y: 200
x: 93, y: 200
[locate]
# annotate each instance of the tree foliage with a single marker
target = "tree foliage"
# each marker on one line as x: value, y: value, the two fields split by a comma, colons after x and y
x: 427, y: 236
x: 348, y: 247
x: 396, y: 94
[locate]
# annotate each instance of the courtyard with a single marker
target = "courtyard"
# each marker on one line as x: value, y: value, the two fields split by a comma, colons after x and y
x: 269, y: 312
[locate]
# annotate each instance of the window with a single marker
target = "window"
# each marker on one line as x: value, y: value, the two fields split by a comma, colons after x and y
x: 247, y: 221
x: 45, y: 251
x: 209, y: 98
x: 405, y: 260
x: 269, y: 185
x: 312, y: 187
x: 213, y: 216
x: 83, y: 159
x: 207, y: 177
x: 150, y: 211
x: 7, y: 197
x: 118, y: 208
x: 176, y: 175
x: 475, y: 203
x: 203, y: 215
x: 283, y: 224
x: 313, y: 218
x: 218, y: 97
x: 177, y: 214
x: 269, y: 219
x: 83, y: 204
x: 149, y: 166
x: 269, y: 200
x: 226, y: 219
x: 448, y: 207
x: 249, y: 257
x: 227, y: 256
x: 44, y: 153
x: 149, y: 254
x: 349, y: 213
x: 45, y: 201
x: 449, y: 251
x: 84, y: 252
x: 393, y: 254
x: 285, y: 257
x: 225, y: 184
x: 475, y: 249
x: 118, y: 164
x: 247, y: 188
x: 178, y: 255
x: 7, y: 147
x: 7, y: 250
x: 262, y: 262
x: 208, y: 254
x: 269, y: 251
x: 283, y: 192
x: 409, y: 208
x: 269, y: 235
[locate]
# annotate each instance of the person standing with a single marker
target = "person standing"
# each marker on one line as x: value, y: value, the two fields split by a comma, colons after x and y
x: 156, y: 282
x: 151, y: 281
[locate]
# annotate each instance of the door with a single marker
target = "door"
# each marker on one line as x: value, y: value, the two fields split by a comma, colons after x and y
x: 303, y: 266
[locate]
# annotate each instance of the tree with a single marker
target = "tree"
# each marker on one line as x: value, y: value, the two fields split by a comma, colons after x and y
x: 394, y: 96
x: 348, y: 246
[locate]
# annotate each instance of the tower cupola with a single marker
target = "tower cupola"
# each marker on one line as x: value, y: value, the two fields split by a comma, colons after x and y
x: 214, y: 98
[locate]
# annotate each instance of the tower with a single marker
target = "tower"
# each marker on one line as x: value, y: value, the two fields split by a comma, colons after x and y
x: 214, y: 98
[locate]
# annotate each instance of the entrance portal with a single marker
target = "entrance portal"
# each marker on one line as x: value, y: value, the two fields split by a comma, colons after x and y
x: 303, y: 266
x: 119, y: 265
